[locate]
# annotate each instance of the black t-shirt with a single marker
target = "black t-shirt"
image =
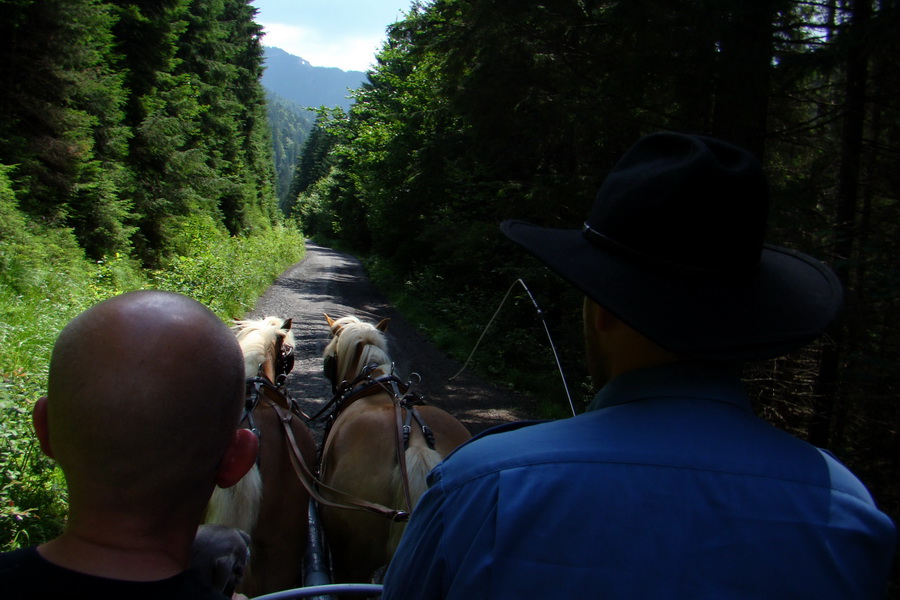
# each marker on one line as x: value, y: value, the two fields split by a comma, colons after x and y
x: 26, y: 575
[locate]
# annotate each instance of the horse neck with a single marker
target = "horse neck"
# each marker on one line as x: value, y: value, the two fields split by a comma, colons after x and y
x: 258, y: 359
x: 365, y: 355
x: 268, y: 369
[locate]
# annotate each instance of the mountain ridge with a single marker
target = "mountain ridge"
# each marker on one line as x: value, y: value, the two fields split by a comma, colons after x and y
x: 295, y: 79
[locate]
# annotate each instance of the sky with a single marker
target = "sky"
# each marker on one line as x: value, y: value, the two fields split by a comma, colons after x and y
x: 329, y: 33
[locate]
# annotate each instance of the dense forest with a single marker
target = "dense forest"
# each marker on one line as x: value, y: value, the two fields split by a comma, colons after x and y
x: 121, y: 119
x: 483, y: 110
x: 290, y: 124
x: 295, y: 90
x: 134, y: 153
x: 133, y: 136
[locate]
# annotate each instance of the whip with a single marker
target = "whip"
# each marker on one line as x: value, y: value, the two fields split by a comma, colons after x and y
x: 540, y: 314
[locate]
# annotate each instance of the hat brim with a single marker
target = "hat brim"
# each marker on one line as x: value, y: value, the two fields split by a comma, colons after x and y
x: 789, y: 301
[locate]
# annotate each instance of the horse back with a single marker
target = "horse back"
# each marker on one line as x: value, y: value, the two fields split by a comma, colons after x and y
x: 448, y: 431
x: 364, y: 438
x: 360, y: 458
x: 282, y: 529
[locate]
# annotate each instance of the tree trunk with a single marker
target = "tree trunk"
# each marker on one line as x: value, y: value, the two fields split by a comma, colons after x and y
x: 742, y: 93
x: 822, y: 430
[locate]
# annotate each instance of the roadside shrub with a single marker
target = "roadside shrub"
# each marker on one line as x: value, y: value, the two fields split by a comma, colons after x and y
x: 229, y: 273
x: 45, y: 280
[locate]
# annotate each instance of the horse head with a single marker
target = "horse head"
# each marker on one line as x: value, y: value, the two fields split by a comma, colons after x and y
x: 268, y: 346
x: 354, y: 346
x: 264, y: 503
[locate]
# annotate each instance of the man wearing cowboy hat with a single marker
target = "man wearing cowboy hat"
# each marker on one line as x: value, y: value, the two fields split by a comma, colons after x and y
x: 668, y: 486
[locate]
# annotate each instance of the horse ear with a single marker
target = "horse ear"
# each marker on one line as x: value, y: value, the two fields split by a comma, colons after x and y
x: 335, y: 328
x: 383, y: 325
x: 287, y: 324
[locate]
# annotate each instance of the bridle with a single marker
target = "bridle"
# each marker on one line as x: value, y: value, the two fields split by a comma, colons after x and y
x: 366, y: 384
x: 275, y: 392
x: 275, y: 395
x: 284, y: 363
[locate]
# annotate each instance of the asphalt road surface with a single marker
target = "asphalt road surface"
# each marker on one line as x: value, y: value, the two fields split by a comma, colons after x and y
x: 327, y: 281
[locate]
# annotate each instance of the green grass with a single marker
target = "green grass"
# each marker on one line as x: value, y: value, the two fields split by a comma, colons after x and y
x: 44, y: 282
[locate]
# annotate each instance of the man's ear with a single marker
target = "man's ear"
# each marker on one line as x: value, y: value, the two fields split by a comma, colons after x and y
x: 238, y: 459
x: 41, y: 425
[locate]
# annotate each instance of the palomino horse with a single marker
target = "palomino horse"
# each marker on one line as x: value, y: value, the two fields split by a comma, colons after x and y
x: 270, y: 502
x: 362, y: 452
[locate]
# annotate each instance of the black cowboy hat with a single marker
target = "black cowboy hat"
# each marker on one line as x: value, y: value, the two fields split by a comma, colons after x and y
x: 674, y: 248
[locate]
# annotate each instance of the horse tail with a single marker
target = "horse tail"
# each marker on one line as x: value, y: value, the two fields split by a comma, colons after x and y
x: 237, y: 506
x: 420, y: 460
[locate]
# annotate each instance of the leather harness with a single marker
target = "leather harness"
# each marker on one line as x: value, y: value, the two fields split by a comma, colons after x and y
x: 275, y: 395
x: 404, y: 399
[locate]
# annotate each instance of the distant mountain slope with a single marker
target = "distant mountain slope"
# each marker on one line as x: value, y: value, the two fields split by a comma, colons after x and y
x: 298, y: 81
x: 290, y: 124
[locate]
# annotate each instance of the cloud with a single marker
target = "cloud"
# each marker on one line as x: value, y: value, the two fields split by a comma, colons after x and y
x: 347, y: 52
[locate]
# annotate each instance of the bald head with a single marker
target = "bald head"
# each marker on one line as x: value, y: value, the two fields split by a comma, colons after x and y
x: 144, y: 394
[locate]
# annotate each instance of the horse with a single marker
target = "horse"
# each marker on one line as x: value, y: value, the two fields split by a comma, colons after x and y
x: 270, y: 502
x: 363, y: 452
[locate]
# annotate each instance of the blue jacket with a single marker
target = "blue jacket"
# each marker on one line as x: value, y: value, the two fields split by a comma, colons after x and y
x: 668, y: 487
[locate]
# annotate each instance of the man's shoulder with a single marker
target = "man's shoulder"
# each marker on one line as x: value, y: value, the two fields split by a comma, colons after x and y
x: 501, y: 435
x: 17, y: 559
x: 508, y: 446
x: 25, y: 574
x: 505, y: 428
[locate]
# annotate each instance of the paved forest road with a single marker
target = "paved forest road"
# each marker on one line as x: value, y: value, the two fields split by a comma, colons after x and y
x: 327, y: 281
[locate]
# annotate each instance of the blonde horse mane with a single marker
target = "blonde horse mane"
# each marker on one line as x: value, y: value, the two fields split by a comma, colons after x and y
x: 257, y: 337
x: 238, y: 506
x: 348, y: 334
x: 350, y: 463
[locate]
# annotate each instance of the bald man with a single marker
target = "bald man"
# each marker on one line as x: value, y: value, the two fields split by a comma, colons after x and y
x: 141, y: 414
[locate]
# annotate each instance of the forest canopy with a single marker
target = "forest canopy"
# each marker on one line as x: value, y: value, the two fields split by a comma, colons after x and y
x: 122, y: 118
x: 130, y: 130
x: 485, y: 110
x: 134, y: 153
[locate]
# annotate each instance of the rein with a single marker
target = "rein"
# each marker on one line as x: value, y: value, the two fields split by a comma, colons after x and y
x: 285, y: 407
x: 313, y: 485
x: 257, y: 386
x: 540, y: 315
x: 403, y: 398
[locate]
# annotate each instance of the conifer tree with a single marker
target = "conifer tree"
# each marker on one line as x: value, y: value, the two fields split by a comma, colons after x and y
x: 61, y: 123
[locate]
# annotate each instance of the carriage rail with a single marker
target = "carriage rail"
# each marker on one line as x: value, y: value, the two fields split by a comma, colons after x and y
x: 363, y: 589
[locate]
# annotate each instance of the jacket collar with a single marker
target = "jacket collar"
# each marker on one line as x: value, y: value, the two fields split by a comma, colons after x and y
x: 699, y: 380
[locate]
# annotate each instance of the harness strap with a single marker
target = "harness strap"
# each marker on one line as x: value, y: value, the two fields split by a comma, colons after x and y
x: 250, y: 403
x: 401, y: 456
x: 259, y: 385
x: 310, y: 482
x: 407, y: 429
x: 345, y: 396
x: 427, y: 433
x: 408, y: 400
x: 403, y: 400
x: 284, y: 407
